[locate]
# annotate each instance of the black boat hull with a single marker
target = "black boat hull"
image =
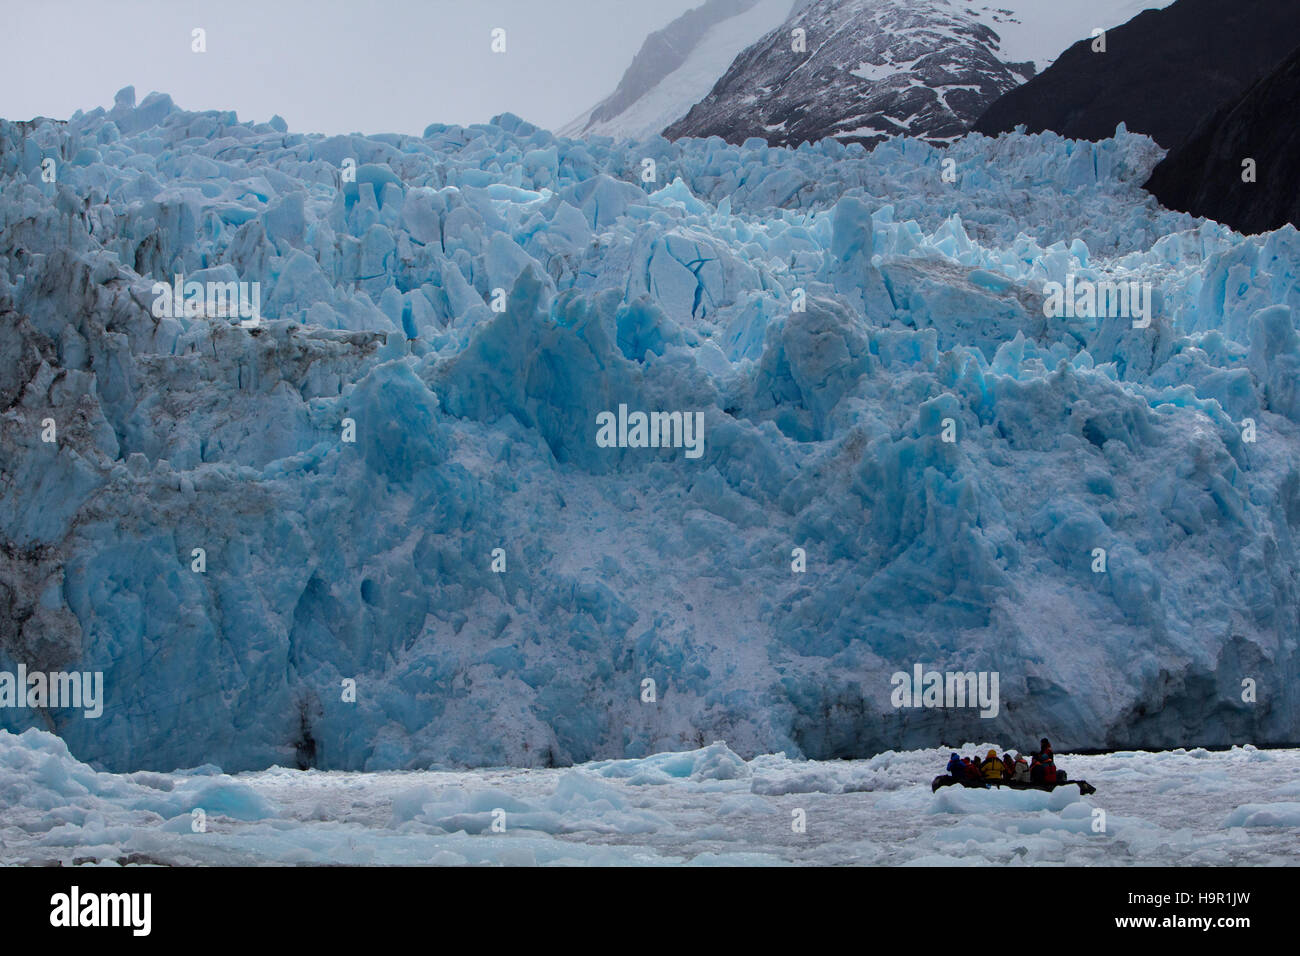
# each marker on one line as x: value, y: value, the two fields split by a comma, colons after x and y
x: 944, y: 780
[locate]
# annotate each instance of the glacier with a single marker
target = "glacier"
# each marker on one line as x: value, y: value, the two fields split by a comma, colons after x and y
x: 498, y: 587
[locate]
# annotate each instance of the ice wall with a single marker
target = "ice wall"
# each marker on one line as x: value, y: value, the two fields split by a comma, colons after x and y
x: 328, y: 560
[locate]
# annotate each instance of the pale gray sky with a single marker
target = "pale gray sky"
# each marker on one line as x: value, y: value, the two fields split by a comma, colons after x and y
x: 328, y: 66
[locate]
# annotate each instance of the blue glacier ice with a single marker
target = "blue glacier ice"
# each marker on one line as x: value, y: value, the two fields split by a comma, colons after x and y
x: 466, y: 302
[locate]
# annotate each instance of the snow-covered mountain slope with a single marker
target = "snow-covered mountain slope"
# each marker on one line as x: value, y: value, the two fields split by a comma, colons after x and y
x: 708, y: 806
x: 1208, y: 53
x: 1040, y: 31
x: 874, y: 68
x: 879, y: 383
x: 677, y: 66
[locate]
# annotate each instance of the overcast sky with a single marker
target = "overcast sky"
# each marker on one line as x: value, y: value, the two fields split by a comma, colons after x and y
x: 328, y: 66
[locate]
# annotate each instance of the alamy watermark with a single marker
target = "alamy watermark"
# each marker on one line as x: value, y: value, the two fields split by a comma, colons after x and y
x: 651, y: 430
x: 77, y: 909
x: 1084, y: 299
x: 924, y: 688
x: 57, y: 689
x: 212, y: 300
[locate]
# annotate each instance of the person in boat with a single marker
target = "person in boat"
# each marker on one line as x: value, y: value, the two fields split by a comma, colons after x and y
x: 971, y: 771
x: 1043, y: 770
x: 1038, y: 761
x: 1050, y: 775
x: 955, y: 769
x: 1008, y: 766
x: 991, y: 769
x: 1021, y: 772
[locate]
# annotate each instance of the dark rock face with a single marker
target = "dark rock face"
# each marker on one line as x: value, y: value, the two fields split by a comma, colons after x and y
x: 1204, y: 176
x: 871, y: 69
x: 1162, y: 74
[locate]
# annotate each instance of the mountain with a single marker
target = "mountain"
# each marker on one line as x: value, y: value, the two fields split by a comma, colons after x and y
x: 863, y: 70
x: 878, y: 68
x: 1204, y: 175
x: 677, y: 66
x: 1162, y: 73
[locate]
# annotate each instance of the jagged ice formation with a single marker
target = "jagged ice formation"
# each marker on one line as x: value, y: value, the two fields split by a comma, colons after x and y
x: 475, y: 430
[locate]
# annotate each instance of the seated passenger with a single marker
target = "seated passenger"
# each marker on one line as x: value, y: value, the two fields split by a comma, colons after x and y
x: 1021, y: 774
x: 1008, y: 766
x: 1036, y: 770
x: 1049, y: 768
x: 992, y: 768
x: 954, y: 767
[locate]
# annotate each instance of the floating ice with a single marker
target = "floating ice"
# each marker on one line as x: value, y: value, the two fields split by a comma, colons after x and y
x: 512, y: 816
